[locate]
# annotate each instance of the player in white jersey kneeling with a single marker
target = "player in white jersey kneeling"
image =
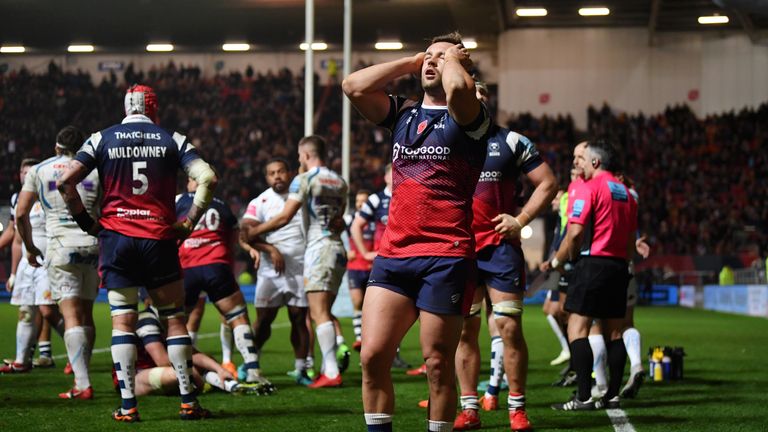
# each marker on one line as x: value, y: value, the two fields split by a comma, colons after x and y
x: 71, y: 255
x: 321, y: 194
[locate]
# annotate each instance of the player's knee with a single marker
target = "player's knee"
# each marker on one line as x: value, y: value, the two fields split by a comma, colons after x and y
x: 508, y: 309
x: 438, y: 368
x: 171, y: 311
x: 239, y: 311
x: 27, y: 314
x: 123, y: 301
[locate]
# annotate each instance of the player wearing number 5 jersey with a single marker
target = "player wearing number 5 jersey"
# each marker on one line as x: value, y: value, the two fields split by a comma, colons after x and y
x: 207, y: 258
x: 322, y: 196
x: 138, y: 162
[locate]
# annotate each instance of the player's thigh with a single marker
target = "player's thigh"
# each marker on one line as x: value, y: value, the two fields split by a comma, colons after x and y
x: 439, y: 334
x: 169, y: 294
x: 387, y: 316
x: 24, y: 288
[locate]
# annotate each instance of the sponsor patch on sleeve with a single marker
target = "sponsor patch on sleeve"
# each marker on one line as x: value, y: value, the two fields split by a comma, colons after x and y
x: 578, y: 207
x: 618, y: 191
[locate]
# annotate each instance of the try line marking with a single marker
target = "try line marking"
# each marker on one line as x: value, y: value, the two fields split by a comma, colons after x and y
x: 200, y: 336
x: 620, y: 420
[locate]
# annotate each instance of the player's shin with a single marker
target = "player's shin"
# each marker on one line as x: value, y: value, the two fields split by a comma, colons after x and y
x: 25, y: 334
x: 124, y: 359
x: 77, y: 351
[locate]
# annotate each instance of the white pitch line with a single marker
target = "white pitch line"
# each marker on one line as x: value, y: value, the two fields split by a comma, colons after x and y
x: 200, y: 336
x: 620, y: 420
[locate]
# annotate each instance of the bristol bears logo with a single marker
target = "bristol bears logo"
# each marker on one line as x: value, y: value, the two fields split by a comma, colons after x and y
x: 493, y: 149
x: 421, y: 127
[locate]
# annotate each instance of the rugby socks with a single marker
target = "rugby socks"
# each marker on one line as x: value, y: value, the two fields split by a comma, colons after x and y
x: 25, y: 335
x: 214, y: 379
x: 439, y: 426
x: 77, y: 351
x: 124, y: 358
x: 633, y: 345
x: 300, y: 364
x: 225, y: 334
x: 90, y: 336
x: 597, y: 344
x: 581, y: 359
x: 497, y: 366
x: 617, y: 356
x: 45, y: 348
x: 558, y: 332
x: 516, y: 401
x: 357, y: 324
x: 326, y: 336
x: 193, y: 337
x: 469, y: 401
x: 180, y: 355
x: 378, y: 422
x: 244, y: 342
x: 339, y: 340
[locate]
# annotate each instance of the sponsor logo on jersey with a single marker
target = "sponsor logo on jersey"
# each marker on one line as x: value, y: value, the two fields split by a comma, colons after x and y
x: 137, y: 135
x: 419, y: 153
x: 578, y: 207
x: 493, y: 149
x: 421, y: 127
x: 490, y: 176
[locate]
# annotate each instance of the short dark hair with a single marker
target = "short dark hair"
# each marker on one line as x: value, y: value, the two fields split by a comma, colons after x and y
x: 29, y: 162
x: 363, y: 191
x: 453, y: 37
x: 609, y: 156
x: 317, y: 144
x: 277, y: 160
x: 69, y: 139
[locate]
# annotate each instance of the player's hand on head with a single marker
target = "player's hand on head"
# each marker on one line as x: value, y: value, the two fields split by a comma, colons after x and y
x: 507, y: 226
x: 277, y: 260
x: 418, y: 61
x: 460, y: 53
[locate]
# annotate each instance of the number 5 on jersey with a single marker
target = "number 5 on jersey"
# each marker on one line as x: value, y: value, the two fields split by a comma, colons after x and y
x: 140, y: 177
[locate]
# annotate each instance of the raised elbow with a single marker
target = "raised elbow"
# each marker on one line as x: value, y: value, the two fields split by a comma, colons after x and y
x: 351, y: 88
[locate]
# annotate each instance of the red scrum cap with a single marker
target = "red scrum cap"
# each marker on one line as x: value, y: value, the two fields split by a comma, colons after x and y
x: 141, y: 99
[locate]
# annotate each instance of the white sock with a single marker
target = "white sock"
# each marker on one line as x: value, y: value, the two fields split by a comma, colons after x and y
x: 339, y: 340
x: 214, y: 379
x: 77, y: 352
x: 124, y: 359
x: 25, y: 336
x: 439, y: 426
x: 180, y: 355
x: 469, y: 402
x: 633, y: 345
x: 357, y: 325
x: 225, y: 334
x: 497, y: 361
x: 193, y: 337
x: 310, y: 362
x: 325, y: 338
x: 300, y: 364
x: 244, y: 342
x: 90, y: 335
x: 377, y: 418
x: 597, y: 343
x: 558, y: 332
x: 516, y: 401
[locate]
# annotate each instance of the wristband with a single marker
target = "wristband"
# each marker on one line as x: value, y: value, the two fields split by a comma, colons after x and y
x: 84, y: 220
x: 555, y: 263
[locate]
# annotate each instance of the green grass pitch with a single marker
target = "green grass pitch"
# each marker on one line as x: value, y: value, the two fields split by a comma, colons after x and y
x: 724, y: 387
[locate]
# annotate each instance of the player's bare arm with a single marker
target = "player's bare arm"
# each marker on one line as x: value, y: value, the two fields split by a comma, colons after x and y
x: 206, y: 179
x: 545, y: 185
x: 458, y: 84
x: 23, y: 207
x: 365, y: 88
x: 67, y: 186
x: 256, y: 244
x: 15, y: 259
x: 569, y: 248
x: 356, y: 232
x: 289, y: 211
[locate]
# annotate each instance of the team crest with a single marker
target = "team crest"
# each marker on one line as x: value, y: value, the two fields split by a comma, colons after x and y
x: 421, y: 127
x: 493, y: 149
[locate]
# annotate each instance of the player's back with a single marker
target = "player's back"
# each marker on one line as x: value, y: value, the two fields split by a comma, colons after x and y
x: 61, y: 227
x: 324, y: 195
x: 212, y: 239
x: 508, y: 156
x: 138, y: 163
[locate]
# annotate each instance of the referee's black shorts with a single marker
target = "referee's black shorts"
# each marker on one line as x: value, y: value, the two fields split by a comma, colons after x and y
x: 597, y: 288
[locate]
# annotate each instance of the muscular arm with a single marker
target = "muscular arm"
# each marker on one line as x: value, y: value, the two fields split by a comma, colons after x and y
x: 206, y: 180
x: 545, y: 190
x: 569, y: 248
x: 24, y: 227
x: 289, y: 211
x: 365, y: 88
x: 15, y: 252
x: 459, y: 86
x: 255, y: 246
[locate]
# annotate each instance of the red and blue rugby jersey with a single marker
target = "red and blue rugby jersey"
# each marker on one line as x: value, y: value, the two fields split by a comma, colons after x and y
x: 138, y: 162
x: 435, y: 167
x: 211, y: 240
x: 376, y: 211
x: 509, y: 154
x: 359, y: 262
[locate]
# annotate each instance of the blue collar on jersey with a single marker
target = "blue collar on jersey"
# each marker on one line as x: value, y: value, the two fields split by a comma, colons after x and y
x: 137, y: 118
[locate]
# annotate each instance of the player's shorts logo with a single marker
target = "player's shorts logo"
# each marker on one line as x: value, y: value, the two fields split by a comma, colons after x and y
x: 455, y: 298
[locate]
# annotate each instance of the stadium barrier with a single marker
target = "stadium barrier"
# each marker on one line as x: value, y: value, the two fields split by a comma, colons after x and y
x: 740, y: 299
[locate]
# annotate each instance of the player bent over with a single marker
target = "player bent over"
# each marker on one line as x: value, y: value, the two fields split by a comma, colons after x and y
x: 206, y: 258
x: 138, y: 234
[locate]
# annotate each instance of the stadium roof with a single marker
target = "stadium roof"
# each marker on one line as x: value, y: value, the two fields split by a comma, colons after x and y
x: 50, y: 25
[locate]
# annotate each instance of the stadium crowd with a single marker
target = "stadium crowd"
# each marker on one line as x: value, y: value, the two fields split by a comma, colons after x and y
x: 702, y: 182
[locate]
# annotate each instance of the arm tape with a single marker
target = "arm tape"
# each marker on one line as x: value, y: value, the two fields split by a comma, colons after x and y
x: 201, y: 173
